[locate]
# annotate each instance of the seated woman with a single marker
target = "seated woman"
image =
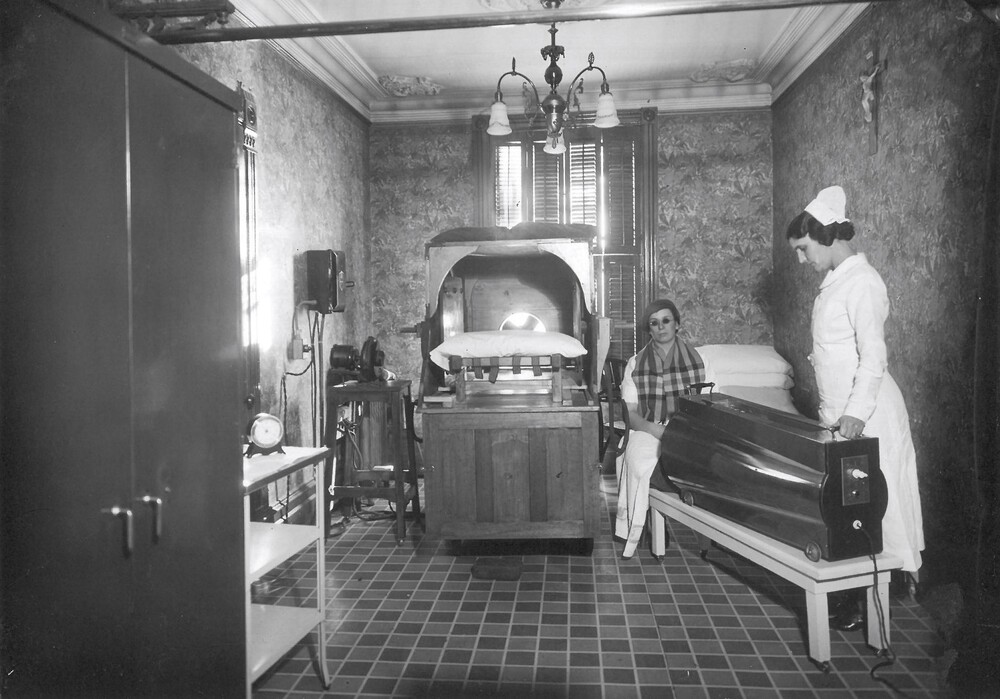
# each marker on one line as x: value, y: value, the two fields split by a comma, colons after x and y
x: 652, y: 382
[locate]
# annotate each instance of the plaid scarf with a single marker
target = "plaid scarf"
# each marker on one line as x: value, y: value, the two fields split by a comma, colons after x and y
x: 660, y: 379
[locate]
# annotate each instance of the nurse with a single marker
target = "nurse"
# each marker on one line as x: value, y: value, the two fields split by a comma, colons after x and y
x: 856, y: 393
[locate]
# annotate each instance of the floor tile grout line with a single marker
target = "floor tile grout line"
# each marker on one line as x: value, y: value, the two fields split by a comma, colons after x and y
x: 646, y: 580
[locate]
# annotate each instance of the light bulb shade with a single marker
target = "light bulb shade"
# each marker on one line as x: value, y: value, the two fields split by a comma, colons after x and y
x: 499, y: 122
x: 607, y: 115
x: 554, y: 145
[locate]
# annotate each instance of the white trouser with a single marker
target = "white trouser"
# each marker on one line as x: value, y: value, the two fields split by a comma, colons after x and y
x: 634, y: 470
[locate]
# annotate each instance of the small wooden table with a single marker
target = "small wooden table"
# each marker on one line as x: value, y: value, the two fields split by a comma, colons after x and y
x: 383, y: 442
x: 816, y: 578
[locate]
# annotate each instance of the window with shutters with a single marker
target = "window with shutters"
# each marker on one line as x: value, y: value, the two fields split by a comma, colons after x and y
x: 606, y: 178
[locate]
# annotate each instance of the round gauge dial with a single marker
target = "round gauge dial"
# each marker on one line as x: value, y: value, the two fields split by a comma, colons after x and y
x: 265, y: 431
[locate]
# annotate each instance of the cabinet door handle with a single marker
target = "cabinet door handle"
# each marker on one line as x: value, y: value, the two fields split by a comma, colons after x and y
x: 156, y: 505
x: 125, y: 515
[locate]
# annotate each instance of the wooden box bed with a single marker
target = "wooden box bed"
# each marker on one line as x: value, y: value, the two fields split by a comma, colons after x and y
x: 510, y: 432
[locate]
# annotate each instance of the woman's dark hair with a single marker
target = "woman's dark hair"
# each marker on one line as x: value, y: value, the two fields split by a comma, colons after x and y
x: 806, y: 224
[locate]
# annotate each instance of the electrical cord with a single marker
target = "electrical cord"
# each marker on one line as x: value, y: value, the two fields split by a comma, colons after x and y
x: 886, y: 651
x: 312, y: 381
x: 350, y: 431
x: 318, y: 382
x: 288, y: 497
x: 309, y: 368
x: 283, y: 399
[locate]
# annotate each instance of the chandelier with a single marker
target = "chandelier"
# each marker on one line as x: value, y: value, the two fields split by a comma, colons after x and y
x: 554, y: 107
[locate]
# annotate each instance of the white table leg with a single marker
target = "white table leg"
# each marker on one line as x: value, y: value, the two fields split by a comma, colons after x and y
x: 878, y: 626
x: 818, y: 622
x: 658, y: 532
x: 324, y: 671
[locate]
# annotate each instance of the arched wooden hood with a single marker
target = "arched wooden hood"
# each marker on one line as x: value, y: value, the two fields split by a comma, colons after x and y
x: 572, y: 243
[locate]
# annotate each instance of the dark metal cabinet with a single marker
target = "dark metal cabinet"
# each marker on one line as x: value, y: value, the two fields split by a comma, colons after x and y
x: 120, y: 492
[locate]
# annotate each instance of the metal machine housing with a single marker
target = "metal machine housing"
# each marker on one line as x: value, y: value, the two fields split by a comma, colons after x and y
x: 780, y: 474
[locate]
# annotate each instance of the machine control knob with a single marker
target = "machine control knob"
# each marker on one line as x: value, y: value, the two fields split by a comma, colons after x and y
x: 858, y: 473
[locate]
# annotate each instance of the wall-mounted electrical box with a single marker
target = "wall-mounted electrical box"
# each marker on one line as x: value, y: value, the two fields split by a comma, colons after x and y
x: 325, y: 282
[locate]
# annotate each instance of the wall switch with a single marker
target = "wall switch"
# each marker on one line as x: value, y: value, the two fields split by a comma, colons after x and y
x: 295, y: 348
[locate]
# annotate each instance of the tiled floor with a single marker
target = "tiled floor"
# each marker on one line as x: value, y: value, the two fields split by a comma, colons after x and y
x: 412, y: 621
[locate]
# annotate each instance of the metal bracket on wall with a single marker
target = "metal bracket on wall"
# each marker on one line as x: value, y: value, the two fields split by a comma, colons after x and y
x: 155, y: 18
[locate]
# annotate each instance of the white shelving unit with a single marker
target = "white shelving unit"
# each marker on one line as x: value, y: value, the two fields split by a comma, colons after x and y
x: 273, y: 630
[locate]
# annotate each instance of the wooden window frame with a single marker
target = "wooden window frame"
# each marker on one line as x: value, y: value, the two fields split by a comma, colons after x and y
x: 646, y: 193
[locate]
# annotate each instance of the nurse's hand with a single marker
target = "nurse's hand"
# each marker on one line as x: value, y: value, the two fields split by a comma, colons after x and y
x: 849, y: 427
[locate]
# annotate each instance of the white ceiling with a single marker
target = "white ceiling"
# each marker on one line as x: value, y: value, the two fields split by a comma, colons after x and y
x: 678, y: 62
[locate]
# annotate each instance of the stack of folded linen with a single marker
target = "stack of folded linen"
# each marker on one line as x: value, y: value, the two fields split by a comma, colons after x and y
x: 756, y: 373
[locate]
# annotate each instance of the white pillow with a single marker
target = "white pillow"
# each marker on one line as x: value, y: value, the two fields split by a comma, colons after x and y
x: 744, y: 359
x: 768, y: 380
x: 506, y: 343
x: 772, y: 397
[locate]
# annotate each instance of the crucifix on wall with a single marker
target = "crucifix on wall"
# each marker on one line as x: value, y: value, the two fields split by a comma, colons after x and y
x: 869, y: 97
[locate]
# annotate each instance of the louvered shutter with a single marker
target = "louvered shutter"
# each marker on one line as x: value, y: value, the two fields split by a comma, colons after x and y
x: 593, y: 183
x: 547, y: 187
x: 583, y: 192
x: 620, y: 281
x: 619, y: 210
x: 622, y: 263
x: 507, y: 196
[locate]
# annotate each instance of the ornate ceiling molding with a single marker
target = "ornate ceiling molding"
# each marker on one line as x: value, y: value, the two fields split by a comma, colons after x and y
x: 814, y: 30
x: 411, y: 98
x: 408, y: 86
x: 729, y: 71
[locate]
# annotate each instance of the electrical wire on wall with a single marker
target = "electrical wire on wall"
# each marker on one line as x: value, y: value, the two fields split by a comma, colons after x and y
x: 297, y: 349
x: 317, y: 388
x: 294, y: 345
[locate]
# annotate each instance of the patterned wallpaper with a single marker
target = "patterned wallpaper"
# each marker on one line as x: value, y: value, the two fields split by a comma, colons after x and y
x: 713, y: 243
x: 312, y: 191
x: 421, y: 184
x: 917, y: 205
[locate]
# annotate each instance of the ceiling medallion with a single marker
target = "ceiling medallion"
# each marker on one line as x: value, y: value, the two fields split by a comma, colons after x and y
x: 408, y: 86
x: 730, y: 71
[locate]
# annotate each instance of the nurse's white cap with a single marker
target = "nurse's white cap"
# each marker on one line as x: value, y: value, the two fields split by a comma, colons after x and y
x: 829, y: 206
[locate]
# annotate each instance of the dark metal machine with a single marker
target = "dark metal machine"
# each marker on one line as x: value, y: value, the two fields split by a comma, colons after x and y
x: 783, y: 475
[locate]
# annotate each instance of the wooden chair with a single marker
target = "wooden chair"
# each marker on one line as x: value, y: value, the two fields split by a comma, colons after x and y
x: 614, y: 415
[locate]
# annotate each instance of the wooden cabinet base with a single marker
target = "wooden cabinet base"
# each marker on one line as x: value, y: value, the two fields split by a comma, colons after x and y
x: 503, y: 470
